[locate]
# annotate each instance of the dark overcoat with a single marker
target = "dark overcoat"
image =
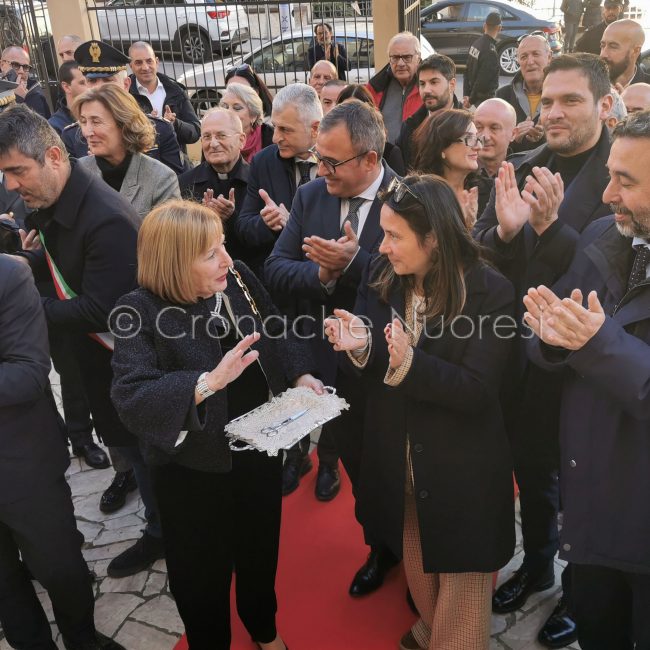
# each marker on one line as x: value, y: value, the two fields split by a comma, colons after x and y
x: 605, y: 412
x: 448, y: 405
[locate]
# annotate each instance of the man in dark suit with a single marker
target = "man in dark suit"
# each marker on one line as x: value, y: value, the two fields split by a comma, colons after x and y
x: 83, y: 238
x: 36, y: 513
x: 533, y: 247
x: 100, y: 63
x: 220, y: 181
x: 167, y: 98
x: 320, y: 257
x: 327, y: 49
x: 275, y: 173
x: 599, y: 338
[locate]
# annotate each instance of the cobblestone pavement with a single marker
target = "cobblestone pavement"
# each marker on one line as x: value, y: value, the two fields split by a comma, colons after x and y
x: 139, y: 611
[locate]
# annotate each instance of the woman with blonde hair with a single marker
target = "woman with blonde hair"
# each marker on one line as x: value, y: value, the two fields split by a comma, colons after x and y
x: 195, y: 348
x: 244, y: 102
x: 119, y: 135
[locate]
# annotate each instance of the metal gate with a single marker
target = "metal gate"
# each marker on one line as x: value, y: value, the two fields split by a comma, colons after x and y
x: 26, y: 23
x: 409, y: 16
x: 198, y: 41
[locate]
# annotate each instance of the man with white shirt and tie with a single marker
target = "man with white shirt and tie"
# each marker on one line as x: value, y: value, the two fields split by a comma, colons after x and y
x: 320, y: 255
x: 594, y: 327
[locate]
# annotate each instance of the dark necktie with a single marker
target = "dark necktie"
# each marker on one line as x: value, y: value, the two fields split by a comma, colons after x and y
x: 304, y: 169
x: 641, y: 261
x: 353, y: 214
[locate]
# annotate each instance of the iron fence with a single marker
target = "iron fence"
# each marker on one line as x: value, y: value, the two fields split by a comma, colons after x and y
x: 26, y: 23
x: 198, y: 41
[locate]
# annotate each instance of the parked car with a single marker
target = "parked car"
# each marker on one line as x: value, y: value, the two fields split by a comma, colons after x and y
x: 196, y: 29
x: 451, y: 26
x: 284, y: 60
x: 644, y: 61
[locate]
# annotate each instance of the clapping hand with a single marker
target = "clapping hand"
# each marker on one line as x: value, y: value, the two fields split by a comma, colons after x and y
x: 275, y: 216
x: 563, y: 323
x: 222, y: 206
x: 468, y: 200
x: 543, y: 192
x: 346, y: 331
x: 398, y: 343
x: 332, y: 255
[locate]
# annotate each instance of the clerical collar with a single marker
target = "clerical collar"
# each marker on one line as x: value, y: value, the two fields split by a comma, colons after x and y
x: 222, y: 177
x: 312, y: 159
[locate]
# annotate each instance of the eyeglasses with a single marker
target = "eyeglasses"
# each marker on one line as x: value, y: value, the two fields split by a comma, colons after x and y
x: 537, y: 32
x: 471, y: 140
x: 399, y: 190
x: 331, y: 165
x: 18, y: 66
x: 239, y: 71
x: 395, y: 58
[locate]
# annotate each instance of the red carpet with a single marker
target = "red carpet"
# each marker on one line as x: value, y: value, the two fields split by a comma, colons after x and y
x: 321, y: 547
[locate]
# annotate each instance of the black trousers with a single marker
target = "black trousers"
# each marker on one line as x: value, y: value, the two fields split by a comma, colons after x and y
x: 214, y: 524
x: 75, y: 404
x: 611, y: 608
x: 43, y: 530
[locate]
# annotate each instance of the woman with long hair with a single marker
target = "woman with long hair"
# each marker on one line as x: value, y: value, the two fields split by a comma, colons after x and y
x: 447, y: 144
x: 430, y: 335
x: 244, y: 74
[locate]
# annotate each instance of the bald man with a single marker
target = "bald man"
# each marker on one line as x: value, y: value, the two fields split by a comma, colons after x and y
x: 620, y: 48
x: 495, y: 122
x: 322, y: 72
x: 636, y: 97
x: 66, y: 46
x: 524, y: 92
x: 16, y: 67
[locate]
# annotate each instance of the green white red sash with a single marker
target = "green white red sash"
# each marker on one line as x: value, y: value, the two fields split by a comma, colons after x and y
x: 63, y: 290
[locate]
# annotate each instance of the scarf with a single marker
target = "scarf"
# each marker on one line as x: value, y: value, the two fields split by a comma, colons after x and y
x: 253, y: 143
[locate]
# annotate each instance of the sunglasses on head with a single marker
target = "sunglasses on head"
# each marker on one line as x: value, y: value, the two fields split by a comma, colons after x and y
x: 240, y: 70
x: 398, y: 189
x: 537, y: 32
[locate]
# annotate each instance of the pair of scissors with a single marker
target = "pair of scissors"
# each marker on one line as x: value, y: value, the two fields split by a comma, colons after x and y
x: 275, y: 428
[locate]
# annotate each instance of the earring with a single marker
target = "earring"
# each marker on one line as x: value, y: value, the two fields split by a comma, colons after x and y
x: 443, y: 155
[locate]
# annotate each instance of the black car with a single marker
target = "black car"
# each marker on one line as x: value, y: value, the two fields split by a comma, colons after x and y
x: 451, y: 26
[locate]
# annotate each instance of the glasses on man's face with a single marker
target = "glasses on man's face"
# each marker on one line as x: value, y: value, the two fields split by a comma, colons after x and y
x: 396, y: 58
x: 20, y: 66
x: 331, y: 165
x: 399, y: 190
x: 472, y: 140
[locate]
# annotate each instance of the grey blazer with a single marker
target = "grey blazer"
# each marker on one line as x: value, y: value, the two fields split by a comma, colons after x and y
x: 146, y: 184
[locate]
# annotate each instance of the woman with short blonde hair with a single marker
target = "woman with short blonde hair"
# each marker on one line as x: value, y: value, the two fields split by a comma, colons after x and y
x: 119, y: 135
x: 192, y: 352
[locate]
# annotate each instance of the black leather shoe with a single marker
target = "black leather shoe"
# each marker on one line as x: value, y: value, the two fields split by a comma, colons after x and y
x: 328, y: 482
x: 136, y: 558
x: 93, y: 454
x: 514, y: 592
x: 292, y: 472
x: 114, y: 496
x: 100, y: 642
x: 560, y: 629
x: 371, y: 575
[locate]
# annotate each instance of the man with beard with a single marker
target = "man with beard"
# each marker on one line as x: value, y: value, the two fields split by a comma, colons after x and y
x: 534, y: 247
x: 524, y: 92
x: 436, y: 83
x: 590, y: 40
x: 619, y: 49
x: 495, y: 122
x: 595, y: 328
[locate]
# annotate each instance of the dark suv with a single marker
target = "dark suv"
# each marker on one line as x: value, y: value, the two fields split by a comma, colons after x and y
x: 451, y: 26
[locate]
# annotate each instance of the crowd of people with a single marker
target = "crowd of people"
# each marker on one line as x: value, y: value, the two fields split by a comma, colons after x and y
x: 471, y: 273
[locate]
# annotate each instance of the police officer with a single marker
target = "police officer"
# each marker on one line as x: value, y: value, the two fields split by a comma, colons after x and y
x: 100, y: 63
x: 482, y: 74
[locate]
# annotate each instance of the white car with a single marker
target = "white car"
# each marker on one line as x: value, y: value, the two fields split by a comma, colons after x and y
x: 284, y: 60
x: 196, y: 29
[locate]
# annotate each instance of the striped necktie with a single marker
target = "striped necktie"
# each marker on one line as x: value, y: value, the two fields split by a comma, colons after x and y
x: 353, y: 214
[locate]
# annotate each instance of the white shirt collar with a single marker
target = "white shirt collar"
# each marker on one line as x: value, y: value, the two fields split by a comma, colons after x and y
x: 143, y: 91
x: 637, y: 241
x: 370, y: 193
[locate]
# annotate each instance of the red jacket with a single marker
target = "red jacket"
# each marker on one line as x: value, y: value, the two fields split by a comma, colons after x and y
x: 377, y: 88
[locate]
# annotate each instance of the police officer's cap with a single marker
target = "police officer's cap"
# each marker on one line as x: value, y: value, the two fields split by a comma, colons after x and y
x: 98, y: 59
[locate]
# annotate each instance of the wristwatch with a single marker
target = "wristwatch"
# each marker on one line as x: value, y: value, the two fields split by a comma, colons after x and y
x: 202, y: 386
